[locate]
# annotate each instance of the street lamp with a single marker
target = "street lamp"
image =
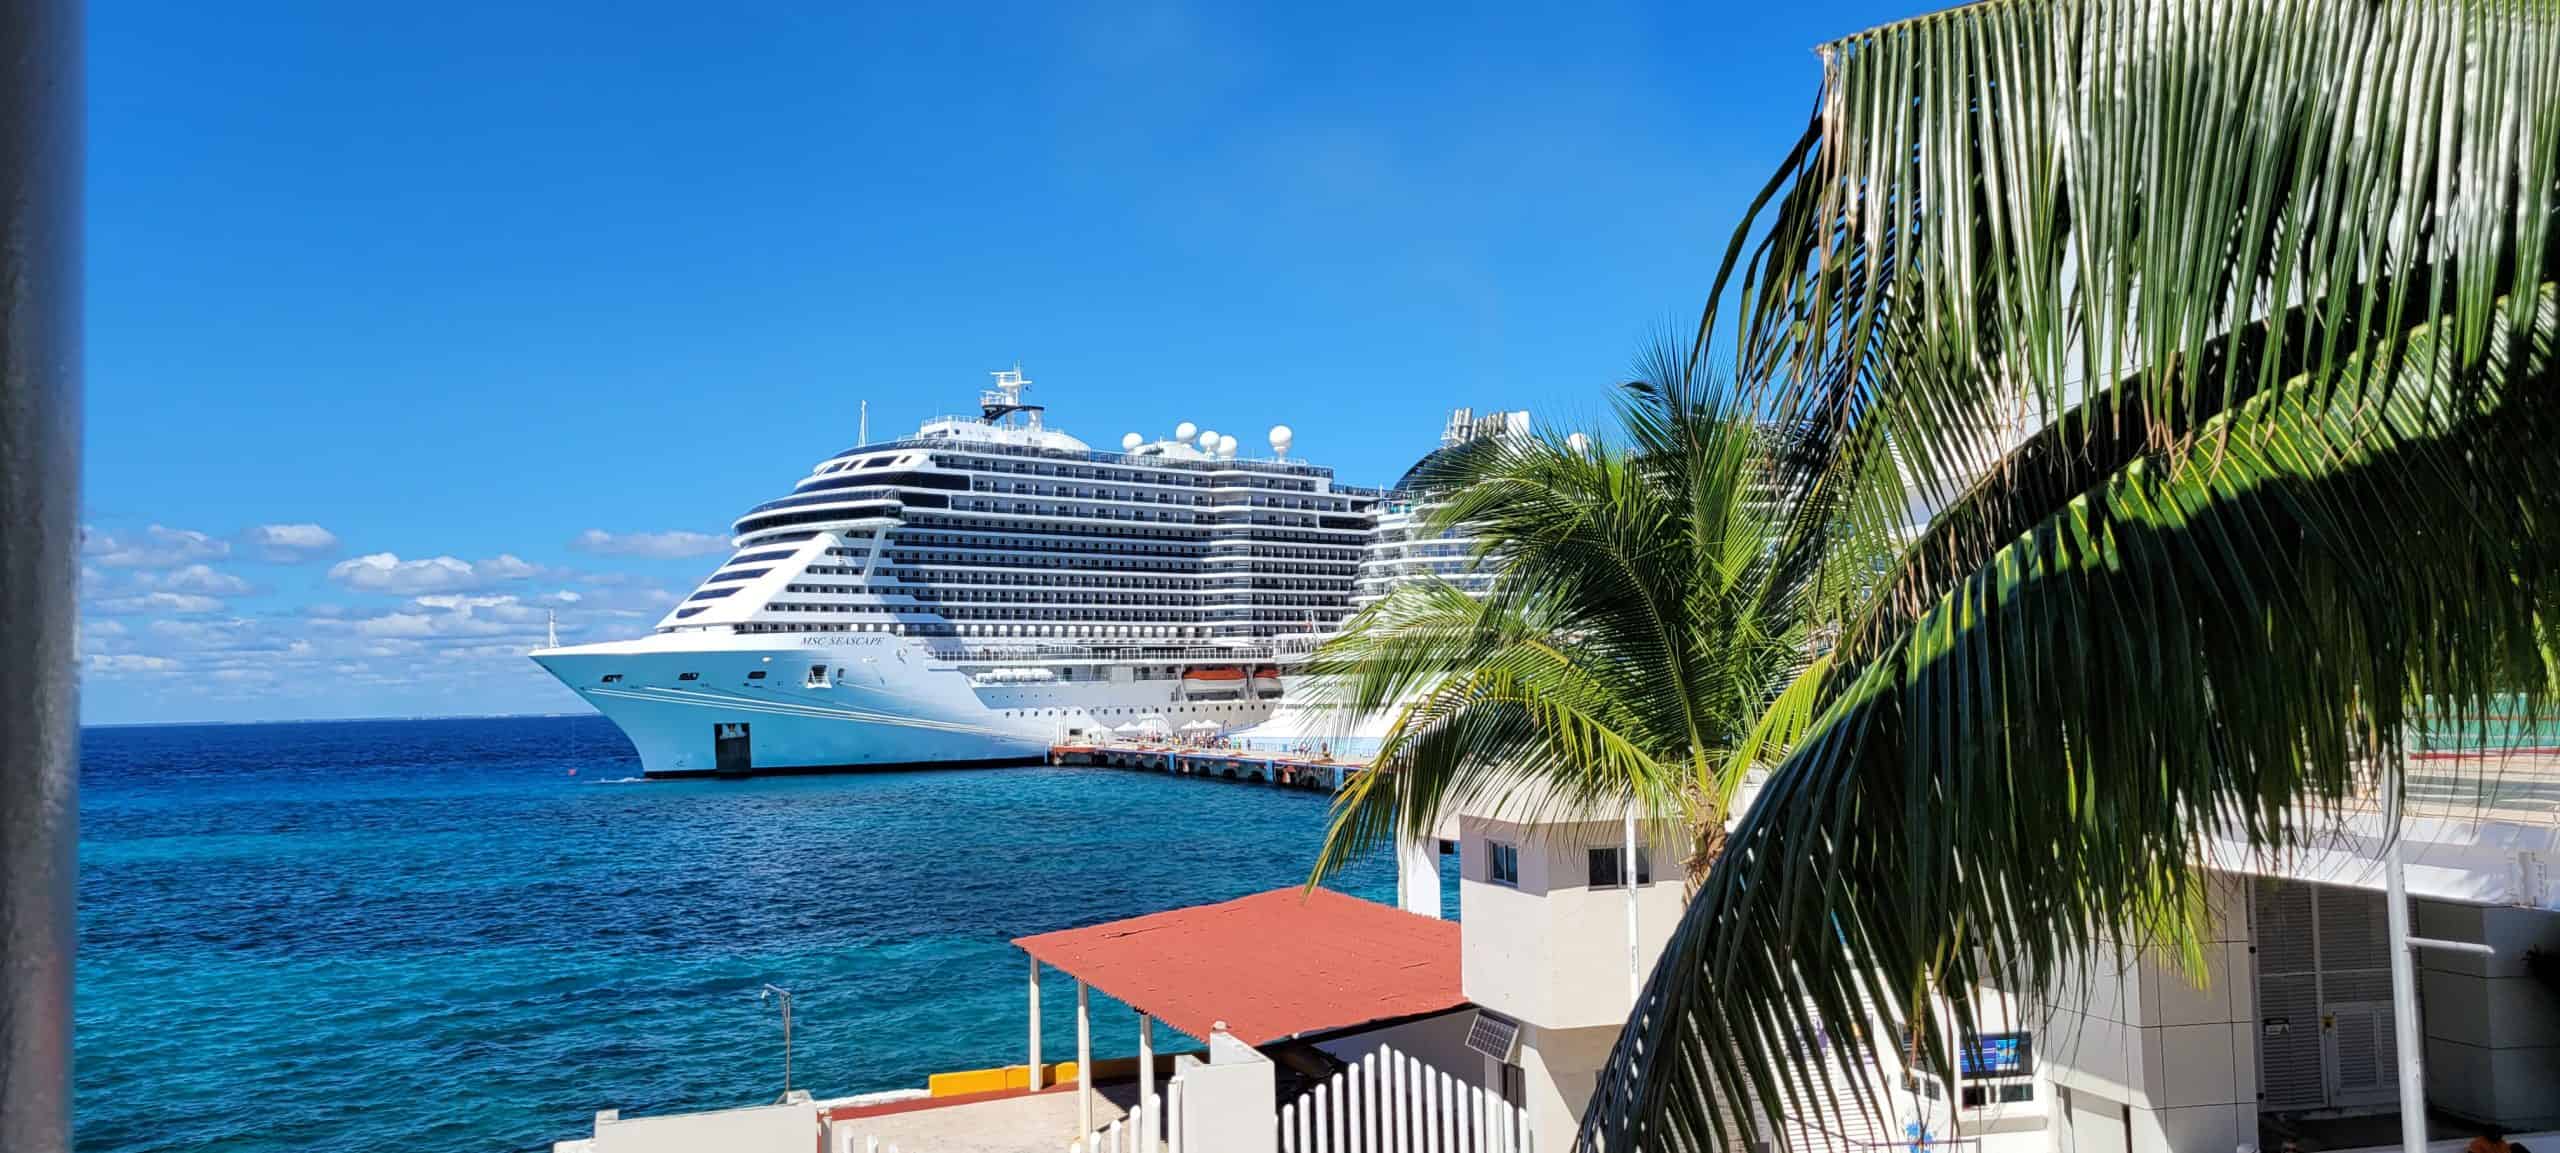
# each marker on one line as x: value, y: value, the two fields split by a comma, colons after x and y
x: 771, y: 991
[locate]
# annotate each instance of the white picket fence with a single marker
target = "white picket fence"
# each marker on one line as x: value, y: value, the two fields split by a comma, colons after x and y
x: 1151, y: 1126
x: 1387, y: 1103
x: 1393, y: 1103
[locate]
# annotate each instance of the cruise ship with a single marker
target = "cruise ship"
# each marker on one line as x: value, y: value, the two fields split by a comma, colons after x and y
x: 977, y: 592
x: 1402, y: 546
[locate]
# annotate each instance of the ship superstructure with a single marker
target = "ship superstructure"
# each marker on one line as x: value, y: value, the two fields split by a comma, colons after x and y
x: 980, y: 590
x: 1403, y: 548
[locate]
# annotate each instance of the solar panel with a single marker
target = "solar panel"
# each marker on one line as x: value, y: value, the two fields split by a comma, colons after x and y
x: 1493, y: 1036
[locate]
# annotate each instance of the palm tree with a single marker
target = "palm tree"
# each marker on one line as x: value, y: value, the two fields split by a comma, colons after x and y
x: 1652, y: 597
x: 2221, y: 337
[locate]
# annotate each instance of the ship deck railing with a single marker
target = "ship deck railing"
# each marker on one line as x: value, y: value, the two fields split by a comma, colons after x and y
x: 1176, y: 653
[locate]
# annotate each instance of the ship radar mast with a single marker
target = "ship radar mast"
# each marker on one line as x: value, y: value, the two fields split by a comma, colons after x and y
x: 1005, y: 399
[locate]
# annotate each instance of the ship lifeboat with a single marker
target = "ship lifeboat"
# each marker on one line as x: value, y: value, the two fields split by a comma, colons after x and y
x: 1266, y: 681
x: 1213, y: 681
x: 1015, y: 676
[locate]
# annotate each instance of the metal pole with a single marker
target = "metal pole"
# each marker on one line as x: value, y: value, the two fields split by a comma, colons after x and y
x: 1084, y: 1059
x: 1147, y: 1080
x: 1635, y: 963
x: 40, y: 99
x: 785, y: 995
x: 2404, y: 977
x: 1035, y: 1025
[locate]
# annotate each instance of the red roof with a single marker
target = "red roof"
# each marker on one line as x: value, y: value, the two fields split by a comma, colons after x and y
x: 1274, y: 965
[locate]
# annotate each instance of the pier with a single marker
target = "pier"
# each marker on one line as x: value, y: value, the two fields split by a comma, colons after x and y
x: 1285, y: 770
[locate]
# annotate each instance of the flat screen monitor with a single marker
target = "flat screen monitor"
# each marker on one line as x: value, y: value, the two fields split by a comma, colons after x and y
x: 1997, y: 1055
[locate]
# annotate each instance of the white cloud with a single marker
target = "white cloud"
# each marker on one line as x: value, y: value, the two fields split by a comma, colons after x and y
x: 128, y: 663
x: 157, y: 602
x: 401, y: 635
x: 289, y: 543
x: 384, y: 572
x: 398, y: 625
x: 508, y: 567
x: 196, y: 578
x: 157, y: 547
x: 662, y: 545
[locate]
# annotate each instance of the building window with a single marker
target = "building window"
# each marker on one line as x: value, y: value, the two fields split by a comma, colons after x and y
x: 1515, y: 1086
x: 1608, y: 871
x: 1502, y: 863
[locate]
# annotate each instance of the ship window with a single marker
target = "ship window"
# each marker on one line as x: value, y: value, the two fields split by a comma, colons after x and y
x: 612, y: 678
x: 1502, y: 863
x: 756, y: 675
x: 689, y: 676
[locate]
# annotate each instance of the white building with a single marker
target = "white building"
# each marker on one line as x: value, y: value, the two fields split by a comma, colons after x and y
x: 1543, y: 925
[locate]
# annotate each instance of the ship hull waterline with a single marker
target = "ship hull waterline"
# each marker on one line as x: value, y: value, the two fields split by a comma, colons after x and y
x: 847, y: 703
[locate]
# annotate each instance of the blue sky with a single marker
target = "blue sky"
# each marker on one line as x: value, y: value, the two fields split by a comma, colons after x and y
x: 408, y: 325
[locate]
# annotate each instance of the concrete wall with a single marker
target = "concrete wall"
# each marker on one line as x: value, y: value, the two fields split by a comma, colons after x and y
x: 790, y: 1128
x: 2493, y: 1032
x: 1229, y: 1102
x: 1551, y: 950
x: 1559, y: 1068
x: 2137, y: 1033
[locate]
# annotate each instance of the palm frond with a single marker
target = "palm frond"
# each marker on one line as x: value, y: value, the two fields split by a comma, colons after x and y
x: 2192, y: 649
x: 1654, y: 594
x: 1999, y: 205
x: 2223, y: 336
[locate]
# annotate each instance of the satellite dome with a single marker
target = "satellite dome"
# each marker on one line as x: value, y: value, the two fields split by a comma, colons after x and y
x: 1185, y: 431
x: 1578, y: 442
x: 1131, y: 442
x: 1281, y: 439
x: 1208, y: 441
x: 1226, y: 446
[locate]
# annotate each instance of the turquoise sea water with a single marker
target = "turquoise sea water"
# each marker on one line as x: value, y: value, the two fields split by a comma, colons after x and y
x: 429, y: 935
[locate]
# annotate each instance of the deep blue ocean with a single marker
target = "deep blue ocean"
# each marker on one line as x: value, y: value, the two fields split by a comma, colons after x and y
x: 431, y: 935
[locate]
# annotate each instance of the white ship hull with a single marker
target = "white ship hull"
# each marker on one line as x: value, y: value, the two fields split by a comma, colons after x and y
x: 880, y: 702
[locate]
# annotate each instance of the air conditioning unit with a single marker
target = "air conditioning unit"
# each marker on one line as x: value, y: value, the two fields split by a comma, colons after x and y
x: 1495, y: 1037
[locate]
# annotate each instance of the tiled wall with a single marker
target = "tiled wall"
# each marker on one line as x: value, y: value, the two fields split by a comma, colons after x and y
x: 2493, y: 1032
x: 2142, y: 1033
